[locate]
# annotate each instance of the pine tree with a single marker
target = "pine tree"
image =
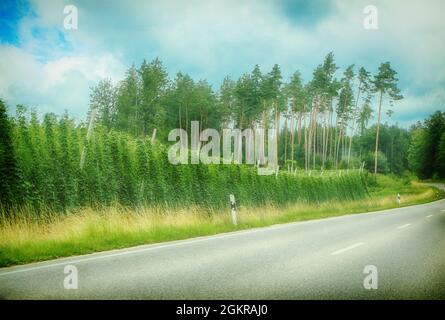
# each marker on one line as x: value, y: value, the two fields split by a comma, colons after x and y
x: 297, y: 96
x: 385, y: 83
x: 344, y: 106
x: 357, y: 112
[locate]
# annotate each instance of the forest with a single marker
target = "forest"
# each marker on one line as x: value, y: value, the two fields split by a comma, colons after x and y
x: 330, y: 124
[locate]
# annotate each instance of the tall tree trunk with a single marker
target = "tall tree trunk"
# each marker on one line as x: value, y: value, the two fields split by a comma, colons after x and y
x: 285, y: 141
x: 306, y: 143
x: 292, y: 139
x: 186, y: 119
x: 277, y: 126
x: 350, y: 144
x: 299, y: 127
x: 324, y: 140
x: 377, y: 133
x: 180, y: 118
x: 328, y: 129
x: 201, y: 122
x: 314, y: 140
x: 304, y: 147
x: 332, y: 133
x: 309, y: 138
x: 337, y: 148
x: 353, y: 124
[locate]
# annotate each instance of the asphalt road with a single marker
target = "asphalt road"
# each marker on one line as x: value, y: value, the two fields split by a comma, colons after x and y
x: 321, y: 259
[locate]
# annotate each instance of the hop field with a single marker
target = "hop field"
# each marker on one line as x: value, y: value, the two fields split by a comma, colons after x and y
x: 119, y: 169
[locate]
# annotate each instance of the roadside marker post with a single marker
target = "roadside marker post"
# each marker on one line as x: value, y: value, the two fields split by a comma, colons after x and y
x: 233, y: 209
x: 398, y: 199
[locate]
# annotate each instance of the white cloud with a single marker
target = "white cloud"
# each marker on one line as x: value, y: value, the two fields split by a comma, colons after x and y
x: 416, y: 107
x: 211, y: 39
x: 53, y: 85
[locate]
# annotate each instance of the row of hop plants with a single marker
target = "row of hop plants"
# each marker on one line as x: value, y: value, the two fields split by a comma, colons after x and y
x: 121, y: 169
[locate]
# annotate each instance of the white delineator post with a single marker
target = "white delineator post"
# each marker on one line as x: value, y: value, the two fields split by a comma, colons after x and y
x: 233, y: 209
x: 398, y: 198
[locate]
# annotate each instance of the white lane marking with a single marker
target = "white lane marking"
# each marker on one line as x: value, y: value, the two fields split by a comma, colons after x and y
x: 404, y: 226
x: 347, y: 248
x: 429, y: 216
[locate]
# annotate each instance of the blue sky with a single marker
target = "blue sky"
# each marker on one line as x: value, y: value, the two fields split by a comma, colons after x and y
x: 44, y: 66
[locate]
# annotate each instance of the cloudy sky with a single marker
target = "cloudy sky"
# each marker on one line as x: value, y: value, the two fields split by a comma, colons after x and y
x: 47, y: 67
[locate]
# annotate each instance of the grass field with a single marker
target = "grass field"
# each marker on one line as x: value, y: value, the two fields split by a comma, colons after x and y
x: 26, y: 238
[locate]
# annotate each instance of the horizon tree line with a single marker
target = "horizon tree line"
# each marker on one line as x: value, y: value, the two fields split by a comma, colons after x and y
x: 317, y: 120
x: 324, y: 124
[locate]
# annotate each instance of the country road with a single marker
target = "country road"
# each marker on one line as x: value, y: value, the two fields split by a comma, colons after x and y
x: 307, y: 260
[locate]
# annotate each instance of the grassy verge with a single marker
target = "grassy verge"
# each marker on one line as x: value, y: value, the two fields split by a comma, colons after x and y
x: 25, y: 239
